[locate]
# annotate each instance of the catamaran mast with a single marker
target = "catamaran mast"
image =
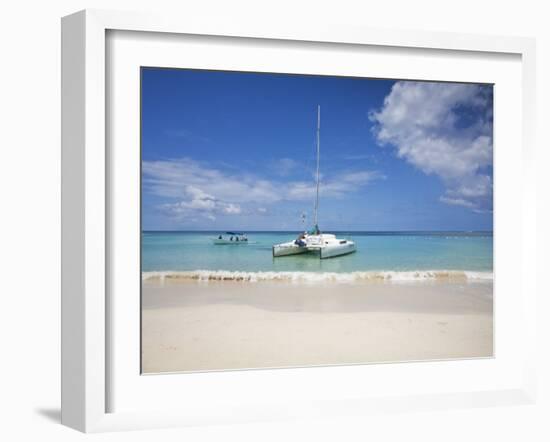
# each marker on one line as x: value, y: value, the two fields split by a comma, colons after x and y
x: 318, y: 147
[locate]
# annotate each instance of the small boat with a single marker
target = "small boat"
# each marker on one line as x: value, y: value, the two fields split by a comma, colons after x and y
x: 326, y: 245
x: 231, y: 238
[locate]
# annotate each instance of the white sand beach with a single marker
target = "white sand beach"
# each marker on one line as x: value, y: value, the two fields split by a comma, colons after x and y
x: 217, y: 325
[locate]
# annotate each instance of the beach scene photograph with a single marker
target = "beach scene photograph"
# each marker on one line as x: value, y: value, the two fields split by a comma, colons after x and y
x: 307, y: 220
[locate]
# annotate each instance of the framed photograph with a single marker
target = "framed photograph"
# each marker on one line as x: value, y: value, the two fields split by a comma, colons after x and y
x: 264, y: 222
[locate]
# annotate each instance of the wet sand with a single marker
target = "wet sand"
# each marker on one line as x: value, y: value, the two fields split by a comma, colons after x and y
x: 195, y: 326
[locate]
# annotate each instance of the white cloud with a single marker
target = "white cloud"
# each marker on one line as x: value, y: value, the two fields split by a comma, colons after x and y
x: 442, y: 129
x: 232, y: 209
x: 201, y: 190
x: 457, y: 202
x: 199, y: 202
x: 361, y: 177
x: 177, y: 178
x: 336, y: 187
x: 284, y: 166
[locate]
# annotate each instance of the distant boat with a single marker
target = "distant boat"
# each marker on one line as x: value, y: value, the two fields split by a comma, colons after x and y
x: 326, y: 245
x: 231, y: 238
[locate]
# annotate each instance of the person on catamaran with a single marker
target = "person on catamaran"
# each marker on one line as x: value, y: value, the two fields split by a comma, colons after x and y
x: 300, y: 240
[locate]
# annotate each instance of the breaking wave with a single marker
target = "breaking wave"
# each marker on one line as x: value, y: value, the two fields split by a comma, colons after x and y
x: 314, y: 277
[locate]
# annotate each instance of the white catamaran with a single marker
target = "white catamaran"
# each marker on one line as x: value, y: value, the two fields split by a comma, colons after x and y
x: 326, y: 245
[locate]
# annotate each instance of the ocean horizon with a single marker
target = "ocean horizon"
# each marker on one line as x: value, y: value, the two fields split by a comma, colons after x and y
x: 389, y: 232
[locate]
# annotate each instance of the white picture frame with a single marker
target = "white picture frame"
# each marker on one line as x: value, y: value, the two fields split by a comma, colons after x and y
x: 85, y: 208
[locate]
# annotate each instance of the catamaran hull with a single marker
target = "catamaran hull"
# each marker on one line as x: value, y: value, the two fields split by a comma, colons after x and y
x: 287, y: 249
x: 331, y: 251
x: 323, y: 251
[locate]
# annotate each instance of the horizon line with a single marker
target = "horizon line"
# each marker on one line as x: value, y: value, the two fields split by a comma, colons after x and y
x: 331, y: 230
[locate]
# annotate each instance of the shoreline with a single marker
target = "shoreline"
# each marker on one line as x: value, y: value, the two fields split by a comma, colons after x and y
x: 319, y: 277
x: 194, y: 325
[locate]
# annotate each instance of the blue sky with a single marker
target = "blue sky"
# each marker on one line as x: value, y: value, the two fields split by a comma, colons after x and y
x: 231, y: 150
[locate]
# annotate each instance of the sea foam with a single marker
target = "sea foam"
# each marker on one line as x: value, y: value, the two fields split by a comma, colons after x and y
x: 317, y: 277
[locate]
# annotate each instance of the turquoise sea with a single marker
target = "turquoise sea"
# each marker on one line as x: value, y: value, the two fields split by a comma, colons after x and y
x: 376, y: 252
